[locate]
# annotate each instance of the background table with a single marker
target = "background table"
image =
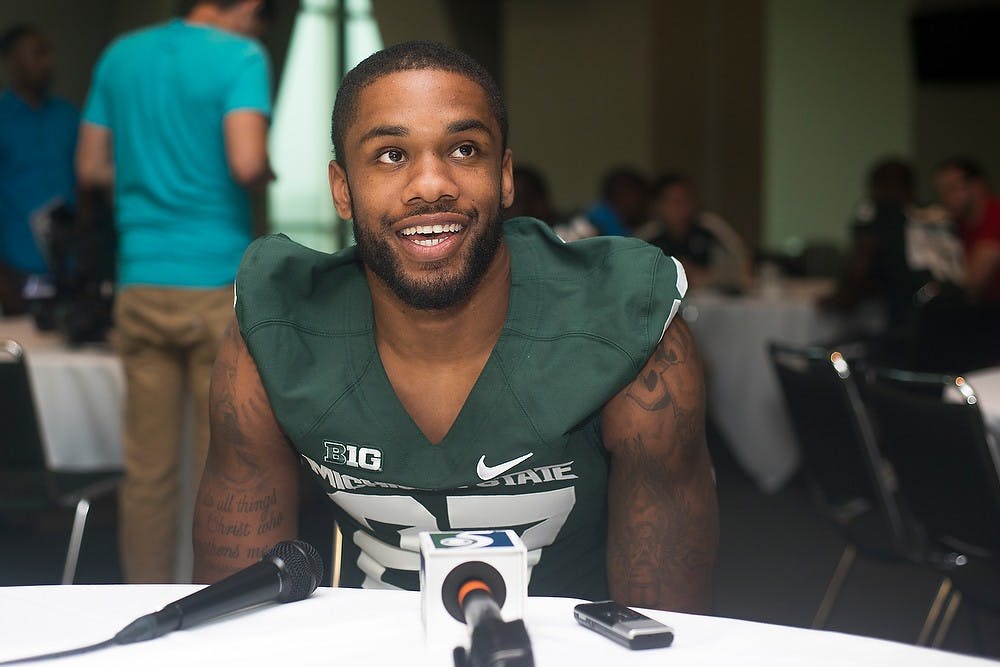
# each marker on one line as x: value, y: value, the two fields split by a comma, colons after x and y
x: 351, y: 626
x: 744, y: 399
x: 79, y: 396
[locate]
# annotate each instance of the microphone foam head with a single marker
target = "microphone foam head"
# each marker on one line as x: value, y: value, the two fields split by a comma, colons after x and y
x: 301, y: 568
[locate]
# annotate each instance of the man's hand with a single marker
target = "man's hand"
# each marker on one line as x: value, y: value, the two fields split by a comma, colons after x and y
x: 248, y: 498
x: 663, y: 524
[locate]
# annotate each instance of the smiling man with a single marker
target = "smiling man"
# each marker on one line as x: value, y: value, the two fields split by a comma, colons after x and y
x: 456, y: 372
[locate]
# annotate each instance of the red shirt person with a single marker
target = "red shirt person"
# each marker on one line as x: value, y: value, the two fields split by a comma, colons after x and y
x: 963, y: 190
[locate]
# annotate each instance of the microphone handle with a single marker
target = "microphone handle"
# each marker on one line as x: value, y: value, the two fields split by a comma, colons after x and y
x: 478, y: 606
x: 493, y: 643
x: 261, y: 582
x: 258, y: 583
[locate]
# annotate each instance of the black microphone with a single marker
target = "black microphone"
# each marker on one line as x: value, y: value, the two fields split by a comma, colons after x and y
x: 494, y: 643
x: 288, y: 572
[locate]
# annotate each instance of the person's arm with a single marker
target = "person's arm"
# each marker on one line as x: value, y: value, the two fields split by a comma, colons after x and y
x: 663, y: 525
x: 245, y: 134
x: 248, y: 498
x: 94, y: 162
x: 732, y: 267
x: 982, y: 268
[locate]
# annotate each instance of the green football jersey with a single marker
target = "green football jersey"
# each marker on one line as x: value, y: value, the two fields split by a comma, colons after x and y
x: 525, y: 451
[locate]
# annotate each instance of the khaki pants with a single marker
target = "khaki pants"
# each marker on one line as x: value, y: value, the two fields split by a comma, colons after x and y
x: 167, y: 339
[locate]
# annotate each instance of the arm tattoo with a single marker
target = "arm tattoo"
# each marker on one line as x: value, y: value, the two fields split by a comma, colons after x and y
x: 662, y: 552
x: 658, y: 386
x: 226, y: 420
x: 650, y: 391
x: 248, y: 495
x: 663, y: 526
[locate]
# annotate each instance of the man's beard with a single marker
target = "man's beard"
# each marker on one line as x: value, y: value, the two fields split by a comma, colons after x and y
x: 436, y: 292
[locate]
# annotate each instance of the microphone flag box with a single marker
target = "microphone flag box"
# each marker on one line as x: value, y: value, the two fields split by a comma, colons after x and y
x: 449, y: 560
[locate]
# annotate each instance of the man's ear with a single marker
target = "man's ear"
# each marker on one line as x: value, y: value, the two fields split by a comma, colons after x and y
x: 341, y: 191
x: 507, y: 180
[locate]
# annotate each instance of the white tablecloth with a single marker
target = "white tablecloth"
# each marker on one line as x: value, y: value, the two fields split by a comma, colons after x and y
x: 79, y: 394
x: 743, y: 395
x: 358, y: 627
x: 986, y: 384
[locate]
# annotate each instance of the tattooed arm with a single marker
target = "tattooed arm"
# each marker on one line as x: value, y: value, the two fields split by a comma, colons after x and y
x: 662, y: 516
x: 248, y: 498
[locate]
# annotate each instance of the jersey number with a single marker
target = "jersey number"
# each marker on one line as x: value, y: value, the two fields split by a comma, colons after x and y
x: 547, y: 510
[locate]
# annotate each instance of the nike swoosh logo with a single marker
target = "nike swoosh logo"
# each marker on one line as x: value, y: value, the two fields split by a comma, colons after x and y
x: 487, y: 473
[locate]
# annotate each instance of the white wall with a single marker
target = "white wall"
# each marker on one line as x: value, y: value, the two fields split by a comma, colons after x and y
x: 402, y: 20
x: 954, y: 120
x: 707, y: 61
x: 838, y: 95
x: 578, y: 78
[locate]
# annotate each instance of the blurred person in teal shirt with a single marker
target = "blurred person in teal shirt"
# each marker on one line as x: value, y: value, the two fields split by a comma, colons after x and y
x: 176, y: 124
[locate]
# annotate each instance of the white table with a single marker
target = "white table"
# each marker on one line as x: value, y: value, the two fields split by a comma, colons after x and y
x: 743, y: 395
x: 79, y: 394
x: 360, y: 627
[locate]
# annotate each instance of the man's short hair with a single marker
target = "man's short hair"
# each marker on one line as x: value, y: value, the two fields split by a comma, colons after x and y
x: 971, y: 169
x: 414, y: 55
x: 13, y: 35
x: 621, y: 179
x: 666, y: 181
x: 184, y: 7
x: 893, y: 173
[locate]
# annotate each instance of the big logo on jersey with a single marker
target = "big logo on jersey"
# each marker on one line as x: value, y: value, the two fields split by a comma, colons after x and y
x: 366, y: 458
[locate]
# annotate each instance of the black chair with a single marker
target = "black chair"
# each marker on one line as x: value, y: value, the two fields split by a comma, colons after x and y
x: 932, y: 432
x: 26, y: 482
x: 843, y: 467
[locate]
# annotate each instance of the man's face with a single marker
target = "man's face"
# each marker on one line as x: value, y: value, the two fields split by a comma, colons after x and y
x: 31, y: 63
x: 956, y: 192
x: 424, y: 176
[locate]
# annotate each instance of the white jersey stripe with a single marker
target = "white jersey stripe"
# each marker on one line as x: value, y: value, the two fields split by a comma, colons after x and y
x: 682, y: 287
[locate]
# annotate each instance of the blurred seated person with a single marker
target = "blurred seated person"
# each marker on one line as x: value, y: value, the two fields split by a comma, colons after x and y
x: 37, y: 143
x: 901, y: 253
x: 531, y: 199
x: 622, y: 207
x: 957, y: 330
x: 531, y: 196
x: 712, y: 253
x: 964, y: 191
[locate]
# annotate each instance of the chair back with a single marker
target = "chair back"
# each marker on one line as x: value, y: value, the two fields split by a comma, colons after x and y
x: 930, y: 428
x: 22, y: 457
x: 839, y: 452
